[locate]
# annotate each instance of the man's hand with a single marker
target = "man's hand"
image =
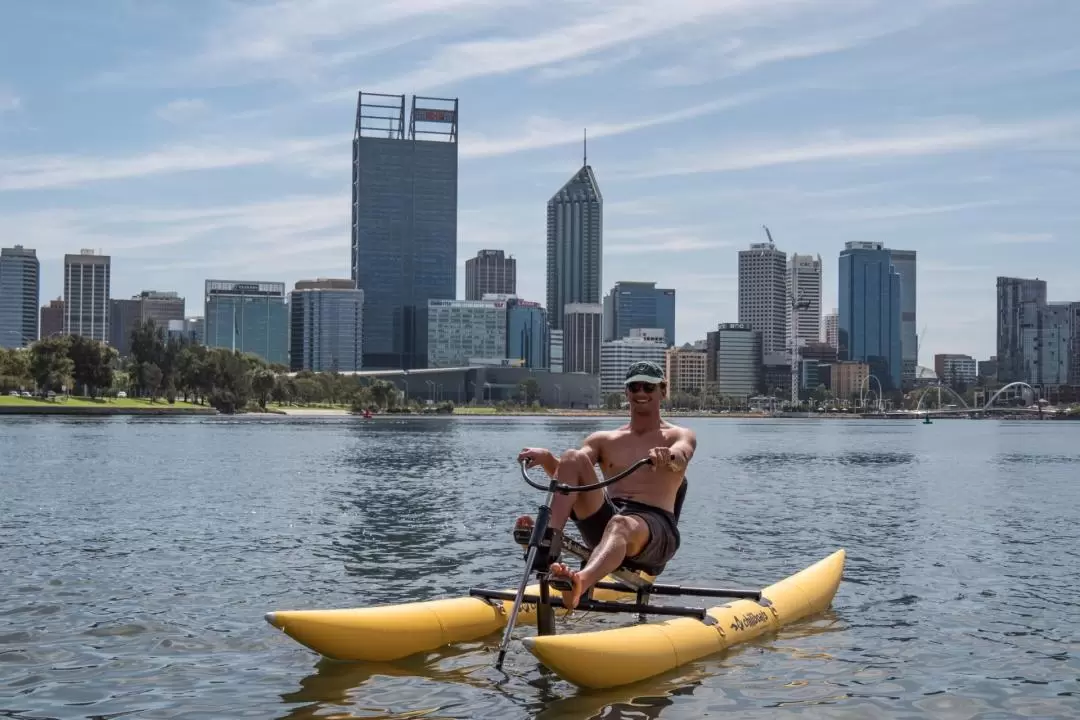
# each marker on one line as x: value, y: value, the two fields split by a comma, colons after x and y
x: 539, y: 456
x: 661, y: 457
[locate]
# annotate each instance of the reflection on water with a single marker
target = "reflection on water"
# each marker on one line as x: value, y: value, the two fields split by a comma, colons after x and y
x: 140, y: 555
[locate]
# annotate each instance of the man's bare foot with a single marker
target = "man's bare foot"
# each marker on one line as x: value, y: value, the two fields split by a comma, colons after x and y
x: 559, y: 571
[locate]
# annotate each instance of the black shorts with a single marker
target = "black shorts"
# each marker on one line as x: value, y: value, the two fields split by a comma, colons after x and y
x: 663, y: 539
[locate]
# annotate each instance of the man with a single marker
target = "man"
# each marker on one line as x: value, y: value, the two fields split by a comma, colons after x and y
x: 634, y: 519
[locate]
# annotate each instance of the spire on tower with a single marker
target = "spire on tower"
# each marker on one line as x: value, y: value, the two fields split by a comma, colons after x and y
x: 585, y: 147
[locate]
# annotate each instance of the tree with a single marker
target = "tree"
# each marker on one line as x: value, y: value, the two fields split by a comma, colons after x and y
x: 530, y: 388
x: 91, y: 363
x: 262, y: 384
x: 50, y: 365
x: 15, y: 370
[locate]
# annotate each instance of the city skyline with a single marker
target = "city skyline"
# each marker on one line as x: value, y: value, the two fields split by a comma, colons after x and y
x: 206, y: 158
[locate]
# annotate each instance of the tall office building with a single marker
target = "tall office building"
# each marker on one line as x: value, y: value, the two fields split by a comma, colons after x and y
x: 404, y: 221
x: 250, y: 317
x: 905, y: 263
x: 20, y: 288
x: 763, y: 298
x: 326, y: 326
x: 869, y: 318
x: 490, y: 272
x: 86, y: 295
x: 1020, y: 302
x: 632, y: 305
x: 804, y: 283
x: 581, y: 333
x: 575, y: 231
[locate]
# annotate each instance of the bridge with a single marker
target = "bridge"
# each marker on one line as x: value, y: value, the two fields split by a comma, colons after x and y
x: 964, y: 410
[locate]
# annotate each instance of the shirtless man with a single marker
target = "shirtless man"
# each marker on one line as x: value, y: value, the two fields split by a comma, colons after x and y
x: 632, y: 520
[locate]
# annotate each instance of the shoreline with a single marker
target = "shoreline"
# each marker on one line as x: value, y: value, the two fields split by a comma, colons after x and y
x: 60, y: 409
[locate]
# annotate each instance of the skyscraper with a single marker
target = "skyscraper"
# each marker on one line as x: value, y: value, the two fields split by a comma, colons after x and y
x: 632, y: 304
x: 404, y: 221
x: 804, y: 283
x: 904, y: 262
x: 575, y: 230
x: 490, y: 272
x: 20, y: 287
x: 86, y: 295
x: 869, y: 316
x: 763, y: 299
x: 326, y: 326
x: 1020, y: 304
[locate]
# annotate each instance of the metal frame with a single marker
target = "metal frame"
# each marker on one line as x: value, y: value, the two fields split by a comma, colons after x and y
x: 543, y: 546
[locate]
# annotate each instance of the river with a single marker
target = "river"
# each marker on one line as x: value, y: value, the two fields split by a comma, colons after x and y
x: 139, y: 555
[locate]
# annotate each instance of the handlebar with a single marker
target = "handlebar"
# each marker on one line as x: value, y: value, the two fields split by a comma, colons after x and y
x: 564, y: 488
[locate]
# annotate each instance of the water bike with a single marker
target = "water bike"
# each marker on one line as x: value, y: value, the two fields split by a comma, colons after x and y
x: 591, y: 659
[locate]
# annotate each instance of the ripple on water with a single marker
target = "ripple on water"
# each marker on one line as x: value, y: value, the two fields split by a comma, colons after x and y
x: 142, y: 586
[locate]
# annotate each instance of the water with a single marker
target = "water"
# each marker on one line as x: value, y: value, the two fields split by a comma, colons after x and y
x: 138, y: 556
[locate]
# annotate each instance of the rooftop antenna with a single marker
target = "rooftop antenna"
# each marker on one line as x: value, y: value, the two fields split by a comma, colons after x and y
x: 585, y: 147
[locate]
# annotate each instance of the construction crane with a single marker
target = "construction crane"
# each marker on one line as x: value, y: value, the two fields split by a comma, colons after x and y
x: 797, y: 304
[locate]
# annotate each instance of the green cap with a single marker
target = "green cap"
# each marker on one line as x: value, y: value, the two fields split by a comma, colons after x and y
x: 644, y: 371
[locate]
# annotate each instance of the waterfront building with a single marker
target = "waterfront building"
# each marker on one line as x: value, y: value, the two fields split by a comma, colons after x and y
x: 249, y: 317
x: 20, y: 290
x: 904, y: 262
x: 463, y: 331
x: 869, y: 316
x: 763, y: 298
x: 87, y: 278
x: 326, y: 326
x: 739, y: 359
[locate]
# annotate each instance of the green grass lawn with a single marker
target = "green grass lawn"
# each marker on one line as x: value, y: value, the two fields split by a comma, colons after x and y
x: 99, y: 402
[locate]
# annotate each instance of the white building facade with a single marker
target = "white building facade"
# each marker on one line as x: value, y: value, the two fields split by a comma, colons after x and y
x: 459, y: 330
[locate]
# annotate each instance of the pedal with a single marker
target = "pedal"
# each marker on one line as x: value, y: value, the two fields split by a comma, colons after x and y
x: 559, y: 584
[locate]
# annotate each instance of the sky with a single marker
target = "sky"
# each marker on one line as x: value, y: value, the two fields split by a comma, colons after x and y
x: 212, y: 138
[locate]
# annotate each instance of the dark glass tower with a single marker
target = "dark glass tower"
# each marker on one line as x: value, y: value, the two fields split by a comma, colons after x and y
x: 869, y: 317
x: 404, y: 221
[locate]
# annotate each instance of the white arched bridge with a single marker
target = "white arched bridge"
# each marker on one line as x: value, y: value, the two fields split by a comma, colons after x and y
x: 962, y: 408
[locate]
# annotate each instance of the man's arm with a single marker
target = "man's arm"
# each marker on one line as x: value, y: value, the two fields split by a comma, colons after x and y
x: 593, y: 446
x: 682, y: 450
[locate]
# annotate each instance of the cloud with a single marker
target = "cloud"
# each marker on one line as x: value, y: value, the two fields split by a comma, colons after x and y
x: 607, y: 27
x: 55, y: 171
x: 540, y: 132
x: 902, y: 211
x: 9, y: 101
x: 1020, y: 238
x: 937, y: 137
x: 182, y: 110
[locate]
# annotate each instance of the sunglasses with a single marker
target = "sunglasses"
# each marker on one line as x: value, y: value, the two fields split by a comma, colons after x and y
x: 639, y: 386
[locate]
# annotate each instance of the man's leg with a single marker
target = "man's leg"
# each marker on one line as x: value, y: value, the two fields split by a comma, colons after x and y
x: 625, y: 536
x: 576, y: 470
